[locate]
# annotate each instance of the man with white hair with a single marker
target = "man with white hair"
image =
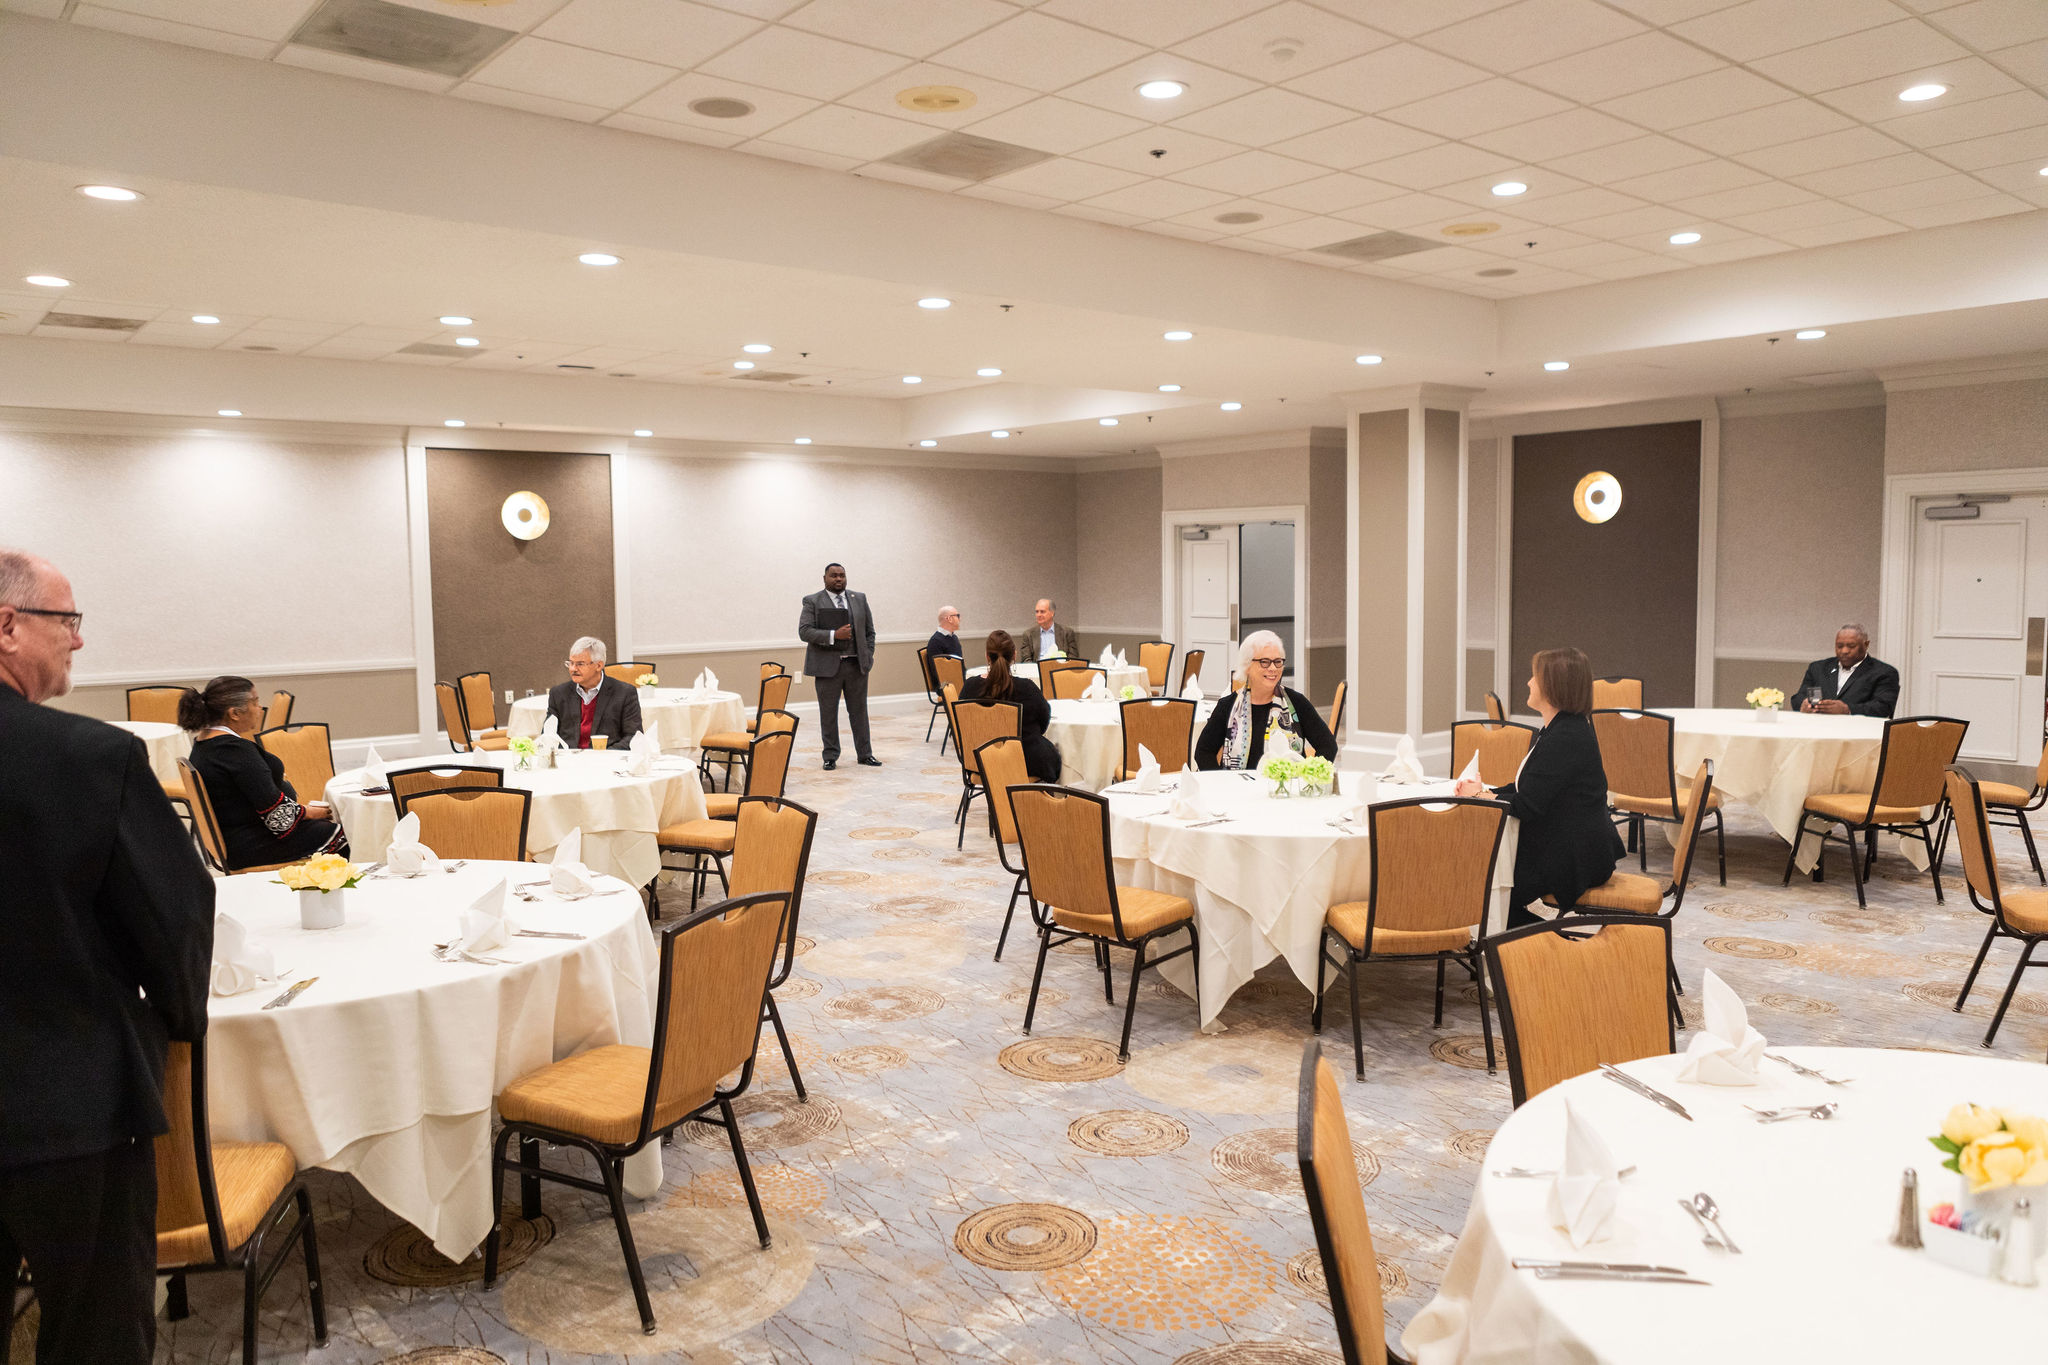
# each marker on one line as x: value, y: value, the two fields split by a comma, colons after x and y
x: 1852, y: 683
x: 592, y: 704
x: 946, y: 639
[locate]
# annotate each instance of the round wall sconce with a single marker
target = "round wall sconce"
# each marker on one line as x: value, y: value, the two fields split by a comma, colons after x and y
x: 1598, y: 497
x: 525, y: 515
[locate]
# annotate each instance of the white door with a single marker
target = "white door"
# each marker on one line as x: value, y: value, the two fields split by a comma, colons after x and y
x: 1208, y: 598
x: 1980, y: 594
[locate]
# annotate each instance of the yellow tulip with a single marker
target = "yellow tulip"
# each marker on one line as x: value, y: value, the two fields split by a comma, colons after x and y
x: 1968, y: 1122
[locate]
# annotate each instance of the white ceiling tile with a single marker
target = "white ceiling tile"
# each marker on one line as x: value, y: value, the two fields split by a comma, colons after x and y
x: 1133, y: 151
x: 1531, y: 32
x: 1264, y: 116
x: 1858, y: 57
x: 1574, y: 206
x: 1740, y: 248
x: 2021, y: 110
x: 1765, y: 127
x: 1762, y: 27
x: 1996, y: 149
x: 901, y: 175
x: 1771, y: 194
x: 1625, y: 160
x: 1656, y: 221
x: 1478, y: 108
x: 1155, y: 23
x: 249, y: 18
x: 2020, y: 177
x: 1545, y: 139
x: 1064, y: 179
x: 1671, y: 11
x: 1054, y: 125
x: 1587, y: 256
x: 1250, y: 173
x: 672, y: 104
x: 916, y: 28
x: 1961, y: 211
x: 1307, y: 233
x: 1702, y: 177
x: 1943, y: 189
x: 1406, y: 211
x: 1157, y: 199
x: 803, y: 155
x: 339, y: 64
x: 1270, y: 215
x: 1439, y: 165
x: 1446, y: 259
x: 41, y: 9
x: 1040, y: 51
x: 757, y: 9
x: 1014, y: 197
x: 1117, y: 88
x: 1101, y: 215
x: 1882, y: 173
x: 1853, y: 230
x: 1348, y: 145
x: 2027, y: 61
x: 667, y: 31
x: 1478, y: 191
x: 1644, y: 264
x: 1253, y: 245
x: 1406, y: 18
x: 166, y: 31
x: 802, y: 63
x: 1513, y: 240
x: 1774, y: 222
x: 1391, y: 76
x: 1638, y: 63
x: 1967, y: 79
x: 1332, y: 192
x: 1290, y: 39
x: 990, y: 96
x: 1845, y: 148
x: 516, y: 15
x: 557, y: 71
x: 1990, y: 24
x: 532, y: 104
x: 1173, y: 228
x: 852, y: 132
x: 1695, y: 99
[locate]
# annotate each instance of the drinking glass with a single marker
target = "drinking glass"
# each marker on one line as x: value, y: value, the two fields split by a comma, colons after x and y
x: 600, y: 741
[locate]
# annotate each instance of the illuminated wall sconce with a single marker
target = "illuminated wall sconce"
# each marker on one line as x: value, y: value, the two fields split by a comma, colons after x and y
x: 1598, y: 497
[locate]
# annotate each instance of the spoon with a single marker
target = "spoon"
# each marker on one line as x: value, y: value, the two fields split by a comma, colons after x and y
x: 1709, y: 1210
x: 1811, y: 1111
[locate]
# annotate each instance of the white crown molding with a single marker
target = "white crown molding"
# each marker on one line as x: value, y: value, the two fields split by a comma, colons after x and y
x: 1593, y: 419
x: 1949, y: 374
x: 1110, y: 464
x: 1833, y: 398
x: 145, y: 677
x: 1246, y: 444
x: 849, y: 455
x: 70, y: 421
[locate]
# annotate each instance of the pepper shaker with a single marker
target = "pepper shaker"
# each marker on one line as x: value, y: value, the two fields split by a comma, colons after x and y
x: 1907, y: 1234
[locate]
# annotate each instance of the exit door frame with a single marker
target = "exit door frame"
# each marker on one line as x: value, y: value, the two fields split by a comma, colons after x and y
x: 1173, y: 519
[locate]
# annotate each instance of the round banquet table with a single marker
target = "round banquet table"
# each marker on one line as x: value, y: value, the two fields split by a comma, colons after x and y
x: 1090, y: 738
x: 1261, y: 882
x: 1117, y: 679
x: 589, y: 790
x: 1812, y: 1206
x: 387, y: 1067
x: 675, y: 716
x: 165, y: 742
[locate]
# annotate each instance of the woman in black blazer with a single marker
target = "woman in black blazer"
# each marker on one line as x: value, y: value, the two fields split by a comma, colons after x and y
x: 1034, y: 712
x: 262, y: 820
x: 1568, y: 844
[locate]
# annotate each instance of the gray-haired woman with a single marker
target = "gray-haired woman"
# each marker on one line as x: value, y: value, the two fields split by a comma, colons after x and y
x: 1235, y: 736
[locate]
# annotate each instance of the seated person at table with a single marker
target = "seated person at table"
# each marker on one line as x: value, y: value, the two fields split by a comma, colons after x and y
x: 1568, y: 844
x: 591, y: 704
x: 261, y: 819
x: 1235, y: 736
x: 1034, y: 713
x: 946, y: 639
x: 1048, y: 639
x: 1852, y: 683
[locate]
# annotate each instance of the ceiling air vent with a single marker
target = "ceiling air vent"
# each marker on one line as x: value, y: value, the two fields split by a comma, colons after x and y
x: 436, y: 348
x: 769, y: 376
x: 416, y: 39
x: 966, y: 157
x: 86, y: 322
x: 1380, y: 246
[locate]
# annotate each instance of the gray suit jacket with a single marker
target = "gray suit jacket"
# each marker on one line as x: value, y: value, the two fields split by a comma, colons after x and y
x: 822, y: 653
x: 617, y: 715
x: 1027, y: 641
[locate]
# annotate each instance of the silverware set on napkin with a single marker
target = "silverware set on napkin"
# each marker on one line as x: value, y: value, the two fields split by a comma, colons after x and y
x: 1607, y: 1270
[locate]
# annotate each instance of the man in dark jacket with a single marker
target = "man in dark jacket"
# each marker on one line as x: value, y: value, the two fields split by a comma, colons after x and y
x: 1852, y: 683
x: 592, y: 702
x: 106, y: 938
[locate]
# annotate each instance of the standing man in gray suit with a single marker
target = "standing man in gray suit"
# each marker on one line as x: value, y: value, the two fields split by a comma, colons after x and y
x: 838, y: 633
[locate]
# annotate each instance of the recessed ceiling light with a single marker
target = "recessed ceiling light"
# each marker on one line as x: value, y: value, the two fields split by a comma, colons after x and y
x: 467, y: 341
x: 999, y: 435
x: 1557, y: 364
x: 1370, y: 359
x: 1684, y: 238
x: 936, y: 99
x: 927, y: 444
x: 988, y: 372
x: 1495, y: 272
x: 643, y: 431
x: 803, y: 440
x: 598, y: 258
x: 1913, y: 94
x: 1508, y: 189
x: 456, y: 320
x: 1169, y: 388
x: 743, y: 364
x: 935, y: 302
x: 230, y: 412
x: 1105, y: 421
x: 913, y: 379
x: 721, y: 106
x: 2044, y: 170
x: 453, y: 422
x: 757, y: 348
x: 1162, y: 90
x: 47, y: 281
x: 1180, y: 336
x: 1230, y: 407
x: 1810, y: 334
x: 206, y: 319
x: 113, y: 192
x: 1239, y: 217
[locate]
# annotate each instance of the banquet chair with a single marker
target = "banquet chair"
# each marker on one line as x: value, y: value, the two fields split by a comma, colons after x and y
x: 1165, y: 725
x: 628, y: 671
x: 207, y: 826
x: 975, y: 723
x: 157, y: 704
x: 713, y: 837
x: 732, y: 746
x: 1156, y: 658
x: 771, y: 852
x: 2019, y: 915
x: 1048, y: 668
x: 931, y: 694
x: 1495, y: 712
x: 407, y: 783
x: 1336, y: 1209
x: 1069, y: 681
x: 724, y: 805
x: 2013, y: 802
x: 1579, y: 991
x: 1002, y: 766
x: 1501, y: 746
x: 1617, y: 694
x: 452, y: 718
x: 221, y: 1206
x: 1191, y: 667
x: 1065, y: 838
x: 611, y: 1101
x: 1432, y: 880
x: 480, y: 712
x: 279, y: 712
x: 1911, y: 768
x: 1337, y: 709
x: 947, y: 672
x: 1638, y: 750
x: 306, y: 753
x: 483, y: 824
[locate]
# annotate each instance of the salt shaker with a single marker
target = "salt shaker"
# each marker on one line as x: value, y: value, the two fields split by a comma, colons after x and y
x: 1907, y: 1234
x: 2019, y: 1246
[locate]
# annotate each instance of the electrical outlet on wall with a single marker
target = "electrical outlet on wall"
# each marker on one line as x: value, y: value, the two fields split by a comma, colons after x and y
x: 508, y: 696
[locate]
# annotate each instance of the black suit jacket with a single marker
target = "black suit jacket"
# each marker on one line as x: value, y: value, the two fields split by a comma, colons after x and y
x: 617, y: 715
x: 1873, y: 688
x: 1567, y: 844
x: 106, y: 936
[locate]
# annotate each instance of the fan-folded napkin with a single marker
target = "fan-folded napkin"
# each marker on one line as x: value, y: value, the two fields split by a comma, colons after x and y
x: 1098, y: 690
x: 1193, y: 691
x: 1587, y: 1188
x: 1471, y: 773
x: 237, y: 966
x: 1406, y: 767
x: 646, y: 748
x: 550, y: 734
x: 407, y: 856
x: 1185, y: 806
x: 567, y: 876
x: 1108, y: 659
x: 373, y: 768
x: 1727, y: 1049
x: 1148, y: 771
x: 485, y: 925
x: 1122, y: 660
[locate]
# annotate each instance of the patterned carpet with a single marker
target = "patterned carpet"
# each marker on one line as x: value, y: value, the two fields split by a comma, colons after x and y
x: 955, y: 1191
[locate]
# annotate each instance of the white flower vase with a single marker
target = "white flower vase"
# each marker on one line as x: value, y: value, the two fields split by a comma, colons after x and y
x: 1767, y: 715
x: 321, y: 909
x: 1997, y: 1205
x: 1295, y: 786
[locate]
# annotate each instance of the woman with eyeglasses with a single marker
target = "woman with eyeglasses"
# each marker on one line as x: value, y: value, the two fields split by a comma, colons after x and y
x: 262, y: 821
x: 1243, y: 723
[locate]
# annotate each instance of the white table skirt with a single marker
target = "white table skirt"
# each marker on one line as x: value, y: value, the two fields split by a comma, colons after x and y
x: 675, y: 718
x: 1811, y: 1204
x: 1262, y: 883
x: 618, y: 814
x: 1090, y: 738
x: 1117, y: 679
x: 165, y: 742
x: 389, y: 1065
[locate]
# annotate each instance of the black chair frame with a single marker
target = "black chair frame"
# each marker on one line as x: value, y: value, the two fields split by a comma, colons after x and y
x: 1861, y: 861
x: 700, y: 872
x: 1575, y: 925
x: 2000, y: 927
x: 1637, y: 822
x: 390, y: 773
x: 1312, y: 1189
x: 970, y: 766
x: 525, y: 806
x: 744, y: 757
x: 1018, y: 886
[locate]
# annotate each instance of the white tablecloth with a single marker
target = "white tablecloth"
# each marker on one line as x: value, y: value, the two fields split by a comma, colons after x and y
x: 588, y: 790
x: 1811, y: 1205
x: 1262, y: 882
x: 388, y: 1066
x: 1090, y: 738
x: 1117, y: 679
x: 670, y: 714
x: 166, y: 744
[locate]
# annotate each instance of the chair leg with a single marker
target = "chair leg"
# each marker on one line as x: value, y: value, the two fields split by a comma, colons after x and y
x: 788, y: 1058
x: 314, y: 1292
x: 1486, y: 1023
x: 1438, y: 1020
x: 1357, y: 1029
x: 617, y: 1196
x: 1642, y: 842
x: 2033, y: 854
x: 739, y: 1156
x: 497, y: 1206
x: 1856, y: 868
x: 2019, y: 970
x: 1102, y: 965
x: 177, y: 1305
x: 1971, y: 979
x: 1792, y: 854
x: 1315, y: 1011
x: 1038, y: 974
x: 1933, y: 862
x: 1009, y: 913
x: 529, y: 1185
x: 1721, y: 846
x: 1123, y: 1051
x: 251, y: 1287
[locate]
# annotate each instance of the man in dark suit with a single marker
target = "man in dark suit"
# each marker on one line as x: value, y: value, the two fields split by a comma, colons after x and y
x: 591, y: 704
x: 1047, y: 638
x: 1852, y: 683
x: 838, y: 660
x: 106, y: 940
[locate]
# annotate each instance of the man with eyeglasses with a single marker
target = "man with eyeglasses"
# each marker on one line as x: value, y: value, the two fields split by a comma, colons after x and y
x: 1262, y: 714
x: 591, y: 703
x: 106, y: 941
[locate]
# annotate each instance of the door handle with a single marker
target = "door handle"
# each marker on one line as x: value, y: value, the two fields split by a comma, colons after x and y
x: 1233, y: 623
x: 2035, y: 630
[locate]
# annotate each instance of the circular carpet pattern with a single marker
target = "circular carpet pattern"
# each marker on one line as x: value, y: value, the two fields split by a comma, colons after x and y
x: 1261, y: 1353
x: 1025, y: 1236
x: 768, y: 1060
x: 1754, y: 914
x: 1020, y: 996
x: 839, y: 877
x: 1470, y: 1143
x: 1166, y: 1275
x: 920, y: 909
x: 1305, y: 1272
x: 870, y: 1059
x: 1230, y: 1073
x: 900, y: 853
x: 1060, y: 1059
x: 1264, y: 1159
x: 950, y: 770
x: 785, y: 1191
x: 882, y: 832
x: 1758, y: 949
x: 799, y: 988
x: 1798, y: 1004
x: 1983, y: 1000
x: 935, y: 798
x: 1467, y: 1050
x: 789, y: 1122
x: 906, y: 950
x: 1950, y: 961
x: 447, y: 1355
x: 1128, y: 1132
x: 404, y: 1255
x: 885, y: 1004
x: 804, y: 945
x: 1853, y: 960
x: 1857, y: 921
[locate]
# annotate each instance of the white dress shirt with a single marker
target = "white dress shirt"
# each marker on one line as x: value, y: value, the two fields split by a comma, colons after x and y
x: 1842, y: 677
x: 1048, y: 643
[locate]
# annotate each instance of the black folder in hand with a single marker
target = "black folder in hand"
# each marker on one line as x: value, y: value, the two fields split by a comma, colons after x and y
x: 830, y: 619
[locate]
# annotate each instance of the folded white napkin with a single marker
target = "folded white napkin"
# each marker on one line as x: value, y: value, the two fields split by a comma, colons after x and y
x: 1406, y: 767
x: 710, y: 681
x: 485, y: 924
x: 373, y: 768
x: 1097, y: 690
x: 1185, y: 806
x: 1471, y: 773
x: 550, y: 734
x: 1148, y: 771
x: 1587, y: 1188
x: 1121, y: 660
x: 1193, y: 691
x: 1726, y: 1051
x: 1108, y: 659
x: 407, y: 856
x: 645, y: 748
x: 567, y: 875
x: 237, y: 966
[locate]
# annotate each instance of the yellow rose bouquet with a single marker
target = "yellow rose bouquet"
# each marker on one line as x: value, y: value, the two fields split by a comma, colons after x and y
x: 1994, y: 1148
x: 326, y: 872
x: 647, y: 680
x: 1763, y: 697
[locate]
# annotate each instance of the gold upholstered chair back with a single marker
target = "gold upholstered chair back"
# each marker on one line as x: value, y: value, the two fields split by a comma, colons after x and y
x: 485, y: 824
x: 479, y: 701
x: 1686, y: 839
x: 204, y: 823
x: 1432, y: 863
x: 1165, y: 725
x: 1048, y: 667
x: 1067, y: 683
x: 1617, y: 694
x: 279, y: 712
x: 185, y: 1191
x: 774, y: 694
x: 1002, y: 766
x: 980, y: 721
x: 628, y: 671
x: 768, y: 761
x: 307, y: 756
x: 1156, y: 658
x: 1501, y: 746
x: 156, y: 704
x: 1336, y: 1208
x: 1973, y: 835
x: 771, y: 851
x: 710, y: 1006
x: 1635, y: 750
x: 1065, y: 838
x: 948, y: 671
x: 407, y: 783
x: 1578, y: 991
x: 452, y: 718
x: 1190, y: 667
x: 774, y: 719
x: 1336, y: 717
x: 1911, y: 764
x: 1495, y: 711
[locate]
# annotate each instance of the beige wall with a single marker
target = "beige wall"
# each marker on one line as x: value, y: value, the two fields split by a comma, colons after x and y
x: 352, y: 705
x: 1482, y: 499
x: 1116, y: 545
x: 1267, y: 477
x: 1440, y: 642
x: 1972, y: 426
x: 1326, y: 556
x: 1380, y: 596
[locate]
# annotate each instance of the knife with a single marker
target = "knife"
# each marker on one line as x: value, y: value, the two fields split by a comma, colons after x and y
x: 1655, y: 1096
x: 542, y: 933
x: 292, y: 993
x: 1530, y: 1263
x: 1642, y: 1276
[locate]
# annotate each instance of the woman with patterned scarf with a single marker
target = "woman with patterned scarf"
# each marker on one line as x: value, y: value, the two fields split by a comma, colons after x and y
x: 1262, y: 713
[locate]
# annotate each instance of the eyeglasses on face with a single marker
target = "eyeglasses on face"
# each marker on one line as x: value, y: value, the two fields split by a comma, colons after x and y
x: 1271, y: 665
x: 70, y: 620
x: 572, y: 665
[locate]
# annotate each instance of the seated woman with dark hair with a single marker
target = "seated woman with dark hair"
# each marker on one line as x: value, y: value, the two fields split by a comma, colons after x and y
x: 1568, y: 844
x: 1041, y: 755
x: 261, y: 819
